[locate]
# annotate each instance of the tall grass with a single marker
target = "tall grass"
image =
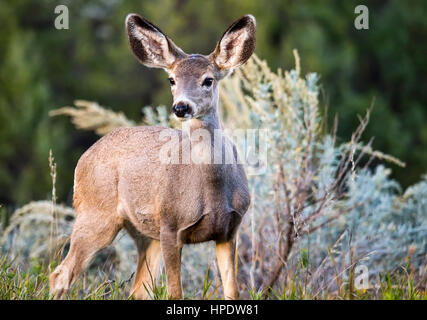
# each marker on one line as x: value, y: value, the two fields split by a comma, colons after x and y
x: 318, y: 212
x: 31, y: 283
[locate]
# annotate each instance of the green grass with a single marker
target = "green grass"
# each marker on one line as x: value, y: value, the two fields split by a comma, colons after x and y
x: 32, y: 283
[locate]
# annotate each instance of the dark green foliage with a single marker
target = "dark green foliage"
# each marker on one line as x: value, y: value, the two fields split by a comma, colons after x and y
x: 42, y: 68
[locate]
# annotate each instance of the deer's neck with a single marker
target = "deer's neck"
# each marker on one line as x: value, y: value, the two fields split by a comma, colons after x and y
x: 209, y: 122
x: 206, y: 139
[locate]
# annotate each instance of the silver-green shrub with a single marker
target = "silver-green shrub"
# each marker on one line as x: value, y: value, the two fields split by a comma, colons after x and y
x: 316, y: 208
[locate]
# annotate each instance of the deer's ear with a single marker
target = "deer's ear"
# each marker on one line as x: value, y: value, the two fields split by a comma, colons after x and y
x: 149, y: 44
x: 236, y: 45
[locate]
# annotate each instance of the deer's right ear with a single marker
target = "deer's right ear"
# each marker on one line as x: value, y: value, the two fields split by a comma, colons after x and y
x: 149, y: 44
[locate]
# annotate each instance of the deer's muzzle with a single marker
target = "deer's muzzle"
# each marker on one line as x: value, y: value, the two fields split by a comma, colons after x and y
x: 181, y: 109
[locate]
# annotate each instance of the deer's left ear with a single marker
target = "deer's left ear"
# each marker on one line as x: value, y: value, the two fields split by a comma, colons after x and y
x: 236, y: 45
x: 149, y: 44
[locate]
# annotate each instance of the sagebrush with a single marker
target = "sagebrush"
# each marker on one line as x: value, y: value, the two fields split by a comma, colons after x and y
x: 319, y: 209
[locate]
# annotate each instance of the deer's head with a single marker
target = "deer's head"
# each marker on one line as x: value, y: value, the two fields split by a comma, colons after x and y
x: 193, y: 77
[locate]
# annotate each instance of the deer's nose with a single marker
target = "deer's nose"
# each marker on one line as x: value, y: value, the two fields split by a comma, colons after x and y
x: 180, y: 109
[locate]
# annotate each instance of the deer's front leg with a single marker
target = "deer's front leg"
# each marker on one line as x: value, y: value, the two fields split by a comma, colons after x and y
x: 225, y: 256
x: 171, y: 250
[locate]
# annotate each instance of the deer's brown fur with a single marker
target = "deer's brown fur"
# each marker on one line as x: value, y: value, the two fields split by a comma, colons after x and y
x: 120, y: 182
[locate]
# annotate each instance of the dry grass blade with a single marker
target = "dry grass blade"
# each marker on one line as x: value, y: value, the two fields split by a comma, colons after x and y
x: 87, y: 115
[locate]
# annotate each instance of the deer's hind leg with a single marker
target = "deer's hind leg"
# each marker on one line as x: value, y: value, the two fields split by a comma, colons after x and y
x: 148, y: 267
x: 92, y: 232
x: 149, y: 258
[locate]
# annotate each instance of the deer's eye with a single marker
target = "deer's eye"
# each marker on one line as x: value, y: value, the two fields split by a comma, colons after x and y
x: 171, y: 81
x: 207, y: 82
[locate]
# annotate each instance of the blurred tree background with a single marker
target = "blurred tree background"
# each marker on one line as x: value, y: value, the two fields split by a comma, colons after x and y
x: 42, y: 68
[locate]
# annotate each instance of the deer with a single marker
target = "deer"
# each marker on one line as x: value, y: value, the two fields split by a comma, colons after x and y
x: 120, y: 182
